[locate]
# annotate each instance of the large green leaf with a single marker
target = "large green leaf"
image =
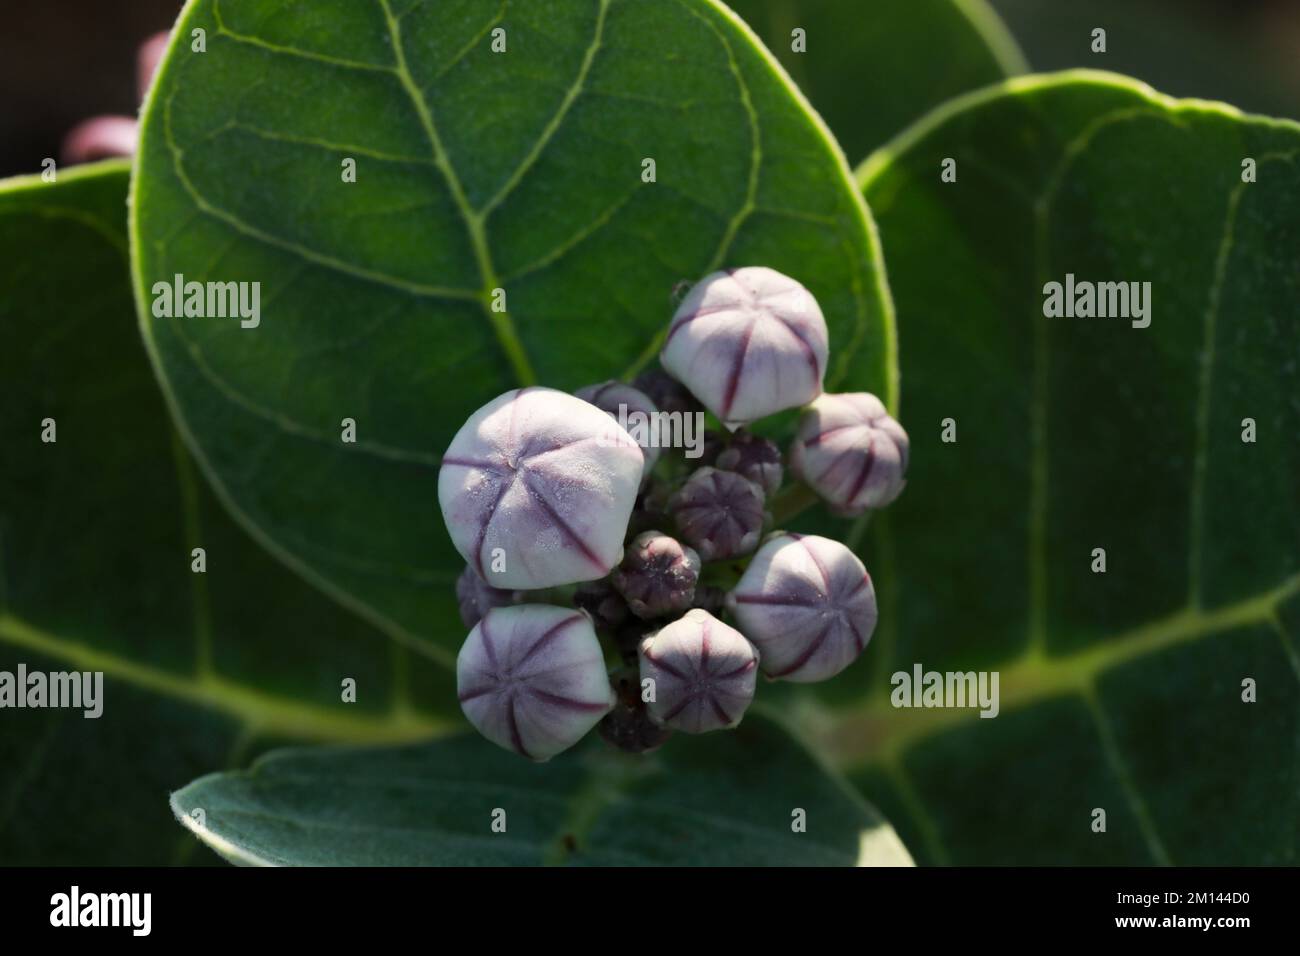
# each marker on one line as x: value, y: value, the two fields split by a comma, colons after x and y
x: 873, y: 68
x: 96, y: 532
x: 1121, y: 690
x: 475, y: 170
x: 729, y: 799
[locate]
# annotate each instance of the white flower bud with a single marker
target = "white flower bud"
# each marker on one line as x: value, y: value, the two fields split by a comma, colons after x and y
x: 851, y: 452
x: 703, y: 673
x: 532, y: 679
x: 808, y: 604
x: 537, y: 488
x: 614, y: 398
x: 748, y: 343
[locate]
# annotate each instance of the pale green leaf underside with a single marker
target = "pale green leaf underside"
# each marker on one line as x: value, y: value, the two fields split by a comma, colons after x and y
x: 476, y: 170
x: 96, y: 532
x: 1121, y: 690
x: 727, y: 799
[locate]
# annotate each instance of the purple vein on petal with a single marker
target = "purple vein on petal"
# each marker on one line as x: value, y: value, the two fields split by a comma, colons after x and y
x: 485, y: 524
x: 560, y: 700
x: 826, y: 576
x: 488, y: 649
x: 865, y: 471
x: 483, y: 464
x: 688, y: 319
x: 744, y: 668
x: 737, y: 366
x: 808, y: 351
x: 773, y: 600
x: 546, y: 638
x: 666, y: 668
x: 565, y: 528
x: 821, y: 436
x: 476, y: 692
x: 515, y: 737
x: 807, y: 655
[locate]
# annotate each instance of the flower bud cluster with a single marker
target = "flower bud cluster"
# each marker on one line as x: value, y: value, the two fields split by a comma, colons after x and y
x: 675, y: 600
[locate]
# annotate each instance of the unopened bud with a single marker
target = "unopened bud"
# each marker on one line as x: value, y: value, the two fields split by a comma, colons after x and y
x: 532, y: 679
x: 719, y: 513
x: 851, y: 452
x: 537, y: 488
x: 748, y: 343
x: 626, y: 405
x: 757, y: 458
x: 658, y: 575
x: 703, y: 673
x: 808, y: 604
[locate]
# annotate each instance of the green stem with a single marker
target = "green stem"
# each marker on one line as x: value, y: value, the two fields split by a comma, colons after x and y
x: 791, y: 502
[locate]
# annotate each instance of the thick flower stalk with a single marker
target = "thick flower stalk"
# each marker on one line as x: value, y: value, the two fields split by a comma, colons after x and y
x: 851, y: 452
x: 536, y: 490
x: 748, y: 343
x: 701, y: 674
x: 808, y: 603
x: 532, y: 679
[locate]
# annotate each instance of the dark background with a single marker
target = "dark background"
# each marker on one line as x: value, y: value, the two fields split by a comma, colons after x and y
x: 62, y: 61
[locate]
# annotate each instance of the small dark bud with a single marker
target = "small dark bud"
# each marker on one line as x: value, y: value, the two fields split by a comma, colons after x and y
x: 476, y: 597
x: 628, y: 726
x: 668, y: 394
x: 657, y: 576
x: 604, y: 605
x: 719, y: 513
x: 757, y: 458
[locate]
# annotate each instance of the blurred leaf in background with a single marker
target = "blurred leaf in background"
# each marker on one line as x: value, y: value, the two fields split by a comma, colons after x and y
x: 872, y: 68
x: 1121, y: 690
x: 96, y: 536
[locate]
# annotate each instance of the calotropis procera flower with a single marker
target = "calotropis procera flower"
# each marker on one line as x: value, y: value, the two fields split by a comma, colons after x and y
x: 703, y: 673
x: 719, y: 513
x: 757, y: 458
x: 614, y: 398
x: 808, y: 604
x: 748, y: 343
x: 532, y: 679
x: 851, y: 452
x: 658, y: 575
x: 536, y: 490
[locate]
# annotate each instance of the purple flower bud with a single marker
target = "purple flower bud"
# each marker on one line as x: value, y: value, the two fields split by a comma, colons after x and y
x: 719, y: 513
x: 748, y: 343
x: 851, y: 452
x: 758, y: 459
x: 532, y: 679
x: 622, y: 402
x: 703, y: 673
x: 536, y: 490
x: 668, y: 394
x: 809, y: 605
x: 603, y: 604
x: 476, y: 597
x: 658, y: 575
x: 628, y: 726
